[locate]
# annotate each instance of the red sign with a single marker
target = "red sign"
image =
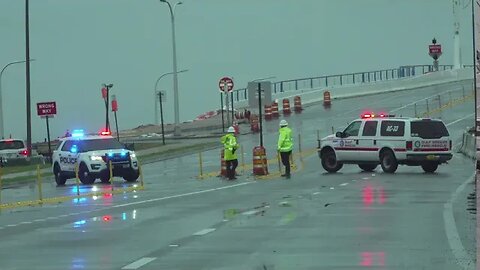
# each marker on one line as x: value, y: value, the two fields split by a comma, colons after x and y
x: 225, y: 84
x: 104, y: 92
x: 435, y: 49
x: 46, y: 108
x: 114, y: 104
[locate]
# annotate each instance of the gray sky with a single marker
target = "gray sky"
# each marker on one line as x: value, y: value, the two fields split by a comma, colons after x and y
x: 80, y: 44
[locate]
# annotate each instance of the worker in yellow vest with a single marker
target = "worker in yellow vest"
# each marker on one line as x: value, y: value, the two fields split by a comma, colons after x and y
x: 285, y: 146
x: 230, y: 144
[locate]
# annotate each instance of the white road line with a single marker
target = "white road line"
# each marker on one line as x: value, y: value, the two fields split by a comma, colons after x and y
x: 63, y: 216
x: 316, y: 193
x: 458, y: 120
x: 463, y: 259
x: 252, y: 212
x: 12, y: 225
x: 204, y: 231
x: 344, y: 184
x: 139, y: 263
x: 26, y: 222
x: 39, y: 220
x: 1, y: 228
x: 332, y: 188
x: 51, y: 218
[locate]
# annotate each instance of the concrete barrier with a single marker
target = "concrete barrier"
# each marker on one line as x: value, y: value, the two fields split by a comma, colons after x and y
x: 468, y: 145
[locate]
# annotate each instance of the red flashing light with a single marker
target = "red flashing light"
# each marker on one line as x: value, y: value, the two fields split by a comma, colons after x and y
x: 107, y: 218
x: 368, y: 115
x: 24, y: 153
x: 105, y: 133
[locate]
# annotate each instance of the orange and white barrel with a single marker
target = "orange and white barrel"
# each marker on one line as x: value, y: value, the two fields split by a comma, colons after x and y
x: 254, y: 124
x: 268, y: 112
x: 223, y: 166
x: 260, y: 166
x: 297, y: 104
x: 275, y: 109
x: 327, y: 98
x: 286, y: 106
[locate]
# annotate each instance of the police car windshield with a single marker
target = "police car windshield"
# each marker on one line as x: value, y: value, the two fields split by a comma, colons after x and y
x: 11, y: 145
x: 99, y: 144
x: 429, y: 129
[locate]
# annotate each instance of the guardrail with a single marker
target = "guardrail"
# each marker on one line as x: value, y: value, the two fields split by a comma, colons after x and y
x: 345, y: 79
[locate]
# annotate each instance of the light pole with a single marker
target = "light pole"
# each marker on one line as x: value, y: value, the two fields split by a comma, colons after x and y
x: 176, y: 131
x: 2, y: 131
x: 155, y: 91
x: 27, y: 79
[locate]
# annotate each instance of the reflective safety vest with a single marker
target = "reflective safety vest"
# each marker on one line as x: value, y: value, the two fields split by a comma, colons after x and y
x: 285, y: 140
x: 230, y: 146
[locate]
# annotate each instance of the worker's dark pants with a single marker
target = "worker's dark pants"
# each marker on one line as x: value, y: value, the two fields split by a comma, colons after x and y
x: 286, y: 161
x: 231, y: 166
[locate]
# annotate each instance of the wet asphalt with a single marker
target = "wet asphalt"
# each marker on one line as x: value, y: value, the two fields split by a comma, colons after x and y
x: 347, y: 220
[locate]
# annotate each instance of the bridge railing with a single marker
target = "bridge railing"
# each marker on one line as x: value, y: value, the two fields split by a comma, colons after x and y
x: 345, y: 79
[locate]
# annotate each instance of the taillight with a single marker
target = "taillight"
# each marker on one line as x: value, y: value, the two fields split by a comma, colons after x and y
x: 24, y: 153
x: 409, y: 145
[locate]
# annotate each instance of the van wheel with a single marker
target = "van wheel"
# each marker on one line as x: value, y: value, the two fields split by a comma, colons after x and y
x: 330, y: 162
x: 430, y: 167
x: 388, y: 161
x: 368, y: 167
x: 59, y: 178
x: 84, y: 175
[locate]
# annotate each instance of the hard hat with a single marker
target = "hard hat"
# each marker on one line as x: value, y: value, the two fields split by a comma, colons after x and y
x: 283, y: 123
x: 231, y: 130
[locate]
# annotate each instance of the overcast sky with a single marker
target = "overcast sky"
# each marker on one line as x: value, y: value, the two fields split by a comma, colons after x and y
x: 80, y: 44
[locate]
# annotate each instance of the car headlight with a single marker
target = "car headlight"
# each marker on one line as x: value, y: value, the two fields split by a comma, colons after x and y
x: 96, y: 158
x: 132, y: 155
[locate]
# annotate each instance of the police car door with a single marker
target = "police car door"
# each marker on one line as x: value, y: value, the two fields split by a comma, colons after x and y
x: 348, y: 145
x: 67, y: 159
x: 367, y: 142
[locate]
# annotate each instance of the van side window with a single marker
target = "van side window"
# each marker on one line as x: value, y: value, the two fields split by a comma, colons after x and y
x: 370, y: 128
x: 392, y: 128
x: 353, y: 129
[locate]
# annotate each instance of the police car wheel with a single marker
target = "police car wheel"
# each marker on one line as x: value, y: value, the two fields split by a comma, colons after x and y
x: 131, y: 176
x: 368, y: 167
x: 84, y: 175
x: 59, y: 178
x: 105, y: 178
x: 388, y: 161
x: 430, y: 167
x: 330, y: 162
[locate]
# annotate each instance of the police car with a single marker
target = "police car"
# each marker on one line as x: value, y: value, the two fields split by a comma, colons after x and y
x: 389, y: 141
x: 93, y: 154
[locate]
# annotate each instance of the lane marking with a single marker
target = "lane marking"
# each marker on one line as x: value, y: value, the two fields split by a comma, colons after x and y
x: 463, y: 259
x: 461, y: 119
x: 344, y: 184
x: 316, y: 193
x: 139, y: 263
x: 332, y: 188
x: 26, y: 222
x: 39, y: 220
x: 252, y: 212
x: 11, y: 225
x: 204, y: 231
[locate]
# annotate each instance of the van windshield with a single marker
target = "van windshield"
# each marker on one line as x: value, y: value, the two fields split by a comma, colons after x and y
x: 429, y: 129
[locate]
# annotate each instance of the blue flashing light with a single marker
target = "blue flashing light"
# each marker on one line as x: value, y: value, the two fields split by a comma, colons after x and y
x: 124, y: 216
x: 78, y: 133
x: 74, y: 149
x: 123, y: 154
x: 110, y: 154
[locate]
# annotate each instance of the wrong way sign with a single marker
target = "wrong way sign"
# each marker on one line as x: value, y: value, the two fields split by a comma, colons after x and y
x: 226, y: 85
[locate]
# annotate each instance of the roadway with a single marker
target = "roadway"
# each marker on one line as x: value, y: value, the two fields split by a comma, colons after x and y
x: 348, y: 220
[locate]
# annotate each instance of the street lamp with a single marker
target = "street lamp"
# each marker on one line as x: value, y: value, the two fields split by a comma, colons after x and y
x: 155, y: 91
x: 175, y: 77
x: 2, y: 131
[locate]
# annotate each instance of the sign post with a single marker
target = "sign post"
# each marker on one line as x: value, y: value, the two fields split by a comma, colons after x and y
x: 435, y: 51
x: 114, y: 110
x: 160, y: 97
x: 47, y: 110
x: 226, y: 86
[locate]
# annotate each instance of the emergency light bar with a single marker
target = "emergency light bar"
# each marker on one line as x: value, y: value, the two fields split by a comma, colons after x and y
x: 372, y: 115
x: 78, y: 133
